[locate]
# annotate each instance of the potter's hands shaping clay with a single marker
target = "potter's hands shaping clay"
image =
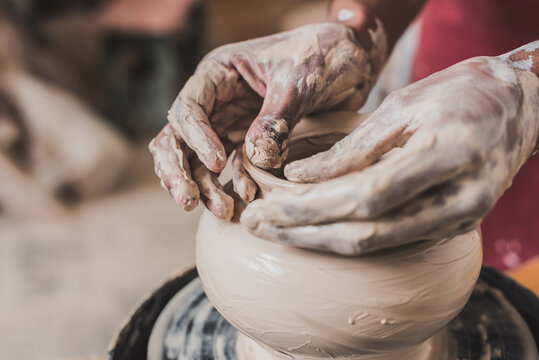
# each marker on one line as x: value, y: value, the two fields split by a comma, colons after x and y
x: 257, y: 91
x: 452, y: 142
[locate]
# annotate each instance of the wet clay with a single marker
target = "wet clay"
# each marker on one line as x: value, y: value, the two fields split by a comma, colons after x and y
x: 301, y: 304
x: 488, y: 328
x: 248, y: 349
x: 312, y: 304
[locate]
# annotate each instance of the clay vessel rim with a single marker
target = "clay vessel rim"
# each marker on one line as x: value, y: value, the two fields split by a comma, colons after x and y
x: 322, y: 124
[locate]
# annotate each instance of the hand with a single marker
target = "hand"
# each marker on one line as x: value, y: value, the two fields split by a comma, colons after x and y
x: 258, y: 90
x: 430, y: 162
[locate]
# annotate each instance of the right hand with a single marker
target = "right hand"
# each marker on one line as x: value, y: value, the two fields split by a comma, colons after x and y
x: 429, y: 163
x: 258, y: 90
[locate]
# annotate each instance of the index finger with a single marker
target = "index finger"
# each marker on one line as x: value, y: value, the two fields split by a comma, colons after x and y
x: 212, y: 83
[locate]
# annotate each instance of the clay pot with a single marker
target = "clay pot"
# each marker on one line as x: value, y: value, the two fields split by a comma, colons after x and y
x: 301, y: 304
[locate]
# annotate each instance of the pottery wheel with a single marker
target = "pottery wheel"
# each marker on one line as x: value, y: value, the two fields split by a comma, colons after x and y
x: 500, y: 321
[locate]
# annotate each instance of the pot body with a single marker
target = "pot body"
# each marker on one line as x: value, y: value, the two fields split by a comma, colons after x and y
x: 318, y: 305
x: 310, y: 304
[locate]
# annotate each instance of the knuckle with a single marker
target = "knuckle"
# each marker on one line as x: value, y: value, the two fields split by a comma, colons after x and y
x: 217, y: 53
x: 394, y: 96
x: 479, y: 206
x: 467, y: 225
x: 152, y: 146
x: 484, y: 203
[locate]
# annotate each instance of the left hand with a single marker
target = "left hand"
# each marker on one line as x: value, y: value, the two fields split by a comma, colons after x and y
x: 463, y: 134
x: 256, y: 91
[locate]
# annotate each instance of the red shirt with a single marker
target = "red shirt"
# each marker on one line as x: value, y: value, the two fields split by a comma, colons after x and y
x: 455, y: 30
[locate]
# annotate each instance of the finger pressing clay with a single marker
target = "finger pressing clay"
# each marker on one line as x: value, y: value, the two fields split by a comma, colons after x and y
x: 215, y: 198
x: 172, y: 167
x: 266, y: 142
x: 448, y: 211
x: 195, y: 128
x: 192, y: 108
x: 376, y: 136
x: 244, y: 185
x: 422, y: 163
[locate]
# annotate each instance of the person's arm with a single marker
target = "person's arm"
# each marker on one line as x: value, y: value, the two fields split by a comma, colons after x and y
x: 360, y: 15
x: 463, y: 133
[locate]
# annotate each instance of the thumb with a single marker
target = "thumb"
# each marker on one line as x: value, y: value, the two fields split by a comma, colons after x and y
x: 322, y: 166
x: 266, y: 142
x: 361, y: 148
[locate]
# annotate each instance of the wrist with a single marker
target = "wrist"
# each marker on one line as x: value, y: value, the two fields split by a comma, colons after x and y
x: 526, y: 59
x: 356, y: 16
x: 368, y: 29
x: 360, y: 15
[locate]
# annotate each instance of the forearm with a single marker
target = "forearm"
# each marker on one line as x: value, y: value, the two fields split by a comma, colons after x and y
x: 360, y: 15
x: 526, y: 59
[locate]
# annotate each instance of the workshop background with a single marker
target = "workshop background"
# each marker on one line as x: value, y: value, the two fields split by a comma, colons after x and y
x: 85, y: 228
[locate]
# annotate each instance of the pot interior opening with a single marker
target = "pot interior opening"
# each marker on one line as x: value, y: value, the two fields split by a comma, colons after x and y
x: 302, y: 148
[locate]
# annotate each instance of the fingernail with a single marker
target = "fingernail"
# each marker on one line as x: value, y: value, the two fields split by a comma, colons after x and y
x: 264, y: 153
x: 246, y: 189
x: 217, y: 161
x: 186, y: 194
x: 269, y: 145
x: 293, y: 172
x: 223, y: 208
x: 189, y: 203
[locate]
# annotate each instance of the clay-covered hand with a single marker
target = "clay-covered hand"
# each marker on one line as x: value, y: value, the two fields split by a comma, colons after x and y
x: 430, y: 162
x: 257, y: 91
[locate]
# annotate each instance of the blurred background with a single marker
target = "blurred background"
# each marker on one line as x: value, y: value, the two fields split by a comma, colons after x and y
x: 85, y: 229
